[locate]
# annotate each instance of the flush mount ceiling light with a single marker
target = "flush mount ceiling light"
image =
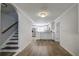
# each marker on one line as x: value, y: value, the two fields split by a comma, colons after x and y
x: 43, y: 13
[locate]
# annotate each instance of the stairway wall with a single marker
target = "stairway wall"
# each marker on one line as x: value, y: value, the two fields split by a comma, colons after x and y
x: 7, y: 19
x: 0, y: 22
x: 7, y: 23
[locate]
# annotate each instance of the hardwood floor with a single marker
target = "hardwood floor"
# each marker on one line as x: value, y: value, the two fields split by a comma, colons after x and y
x: 44, y: 48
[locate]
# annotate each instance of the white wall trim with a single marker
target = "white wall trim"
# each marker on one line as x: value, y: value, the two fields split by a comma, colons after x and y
x: 22, y: 49
x: 68, y: 50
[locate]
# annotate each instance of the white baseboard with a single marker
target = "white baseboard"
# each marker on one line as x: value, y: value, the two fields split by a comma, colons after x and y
x: 68, y: 50
x: 22, y: 49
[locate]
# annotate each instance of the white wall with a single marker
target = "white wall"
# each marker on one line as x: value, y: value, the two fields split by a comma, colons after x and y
x: 78, y: 31
x: 52, y: 25
x: 57, y: 32
x: 69, y: 31
x: 37, y: 35
x: 55, y: 26
x: 7, y: 21
x: 78, y: 17
x: 46, y: 35
x: 43, y: 35
x: 25, y: 30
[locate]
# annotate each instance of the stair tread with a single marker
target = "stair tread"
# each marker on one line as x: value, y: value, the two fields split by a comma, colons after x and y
x: 8, y: 47
x: 15, y: 36
x: 12, y: 43
x: 13, y: 39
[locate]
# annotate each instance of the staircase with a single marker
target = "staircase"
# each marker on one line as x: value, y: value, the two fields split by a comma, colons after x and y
x: 11, y: 45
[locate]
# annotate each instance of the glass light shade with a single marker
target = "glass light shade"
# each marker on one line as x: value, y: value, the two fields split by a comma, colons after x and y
x: 43, y: 14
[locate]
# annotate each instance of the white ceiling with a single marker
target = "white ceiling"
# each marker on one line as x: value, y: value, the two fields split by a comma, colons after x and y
x: 54, y: 9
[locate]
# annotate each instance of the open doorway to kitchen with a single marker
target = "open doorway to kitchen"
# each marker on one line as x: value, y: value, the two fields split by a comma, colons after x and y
x: 41, y: 32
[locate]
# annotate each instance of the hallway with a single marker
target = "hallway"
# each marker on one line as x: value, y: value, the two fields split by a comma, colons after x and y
x: 44, y: 48
x: 39, y: 29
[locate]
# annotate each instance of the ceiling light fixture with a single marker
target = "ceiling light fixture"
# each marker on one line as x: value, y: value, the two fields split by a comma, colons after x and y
x: 43, y: 13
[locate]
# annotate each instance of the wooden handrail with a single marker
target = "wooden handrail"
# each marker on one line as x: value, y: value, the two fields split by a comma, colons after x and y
x: 9, y: 27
